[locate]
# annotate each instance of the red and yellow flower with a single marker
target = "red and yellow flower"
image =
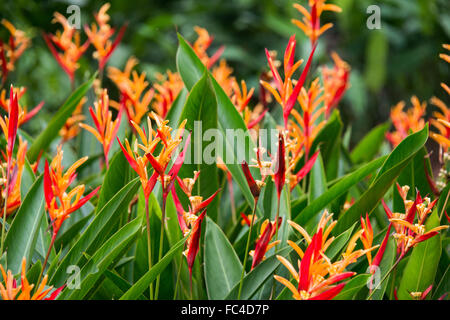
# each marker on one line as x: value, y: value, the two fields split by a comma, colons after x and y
x: 24, y: 114
x: 406, y: 122
x: 100, y: 36
x: 134, y: 89
x: 69, y: 43
x: 60, y: 202
x: 72, y: 126
x: 105, y: 128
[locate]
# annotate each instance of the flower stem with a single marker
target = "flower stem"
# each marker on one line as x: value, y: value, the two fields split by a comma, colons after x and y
x: 161, y: 242
x: 241, y: 282
x: 5, y: 207
x: 52, y: 242
x: 149, y: 245
x: 178, y: 277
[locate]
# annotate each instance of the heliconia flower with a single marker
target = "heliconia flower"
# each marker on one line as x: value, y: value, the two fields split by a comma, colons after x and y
x: 60, y: 202
x: 136, y: 97
x: 407, y: 233
x: 193, y: 242
x: 100, y: 36
x: 10, y: 291
x: 15, y: 175
x: 279, y: 176
x: 24, y: 114
x: 312, y: 284
x: 11, y: 50
x: 105, y: 128
x: 69, y: 43
x: 283, y: 92
x: 167, y: 87
x: 72, y: 126
x: 406, y: 122
x: 335, y: 82
x: 310, y: 23
x: 263, y: 245
x: 420, y: 295
x: 325, y: 226
x: 223, y: 74
x: 306, y: 126
x: 202, y: 44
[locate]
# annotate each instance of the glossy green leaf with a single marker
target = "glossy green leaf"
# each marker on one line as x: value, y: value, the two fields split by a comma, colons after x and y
x: 370, y: 145
x: 352, y: 287
x: 22, y: 235
x: 222, y: 266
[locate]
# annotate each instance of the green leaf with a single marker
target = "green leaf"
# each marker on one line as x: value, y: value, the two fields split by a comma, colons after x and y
x: 110, y: 251
x: 421, y: 269
x: 51, y: 131
x: 337, y: 190
x: 369, y: 146
x: 200, y: 111
x: 22, y: 235
x: 94, y: 235
x: 338, y: 244
x: 143, y: 283
x: 318, y: 180
x: 256, y: 278
x: 222, y: 266
x: 389, y: 172
x: 115, y: 178
x: 352, y: 287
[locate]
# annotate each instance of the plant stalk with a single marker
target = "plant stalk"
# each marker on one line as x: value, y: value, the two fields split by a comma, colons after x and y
x: 149, y: 245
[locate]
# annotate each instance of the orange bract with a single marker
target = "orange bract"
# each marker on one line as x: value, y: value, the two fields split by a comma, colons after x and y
x: 167, y: 88
x: 335, y: 82
x: 10, y: 291
x: 72, y: 126
x: 132, y: 87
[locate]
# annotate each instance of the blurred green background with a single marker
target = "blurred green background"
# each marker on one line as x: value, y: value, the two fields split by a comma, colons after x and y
x: 388, y: 65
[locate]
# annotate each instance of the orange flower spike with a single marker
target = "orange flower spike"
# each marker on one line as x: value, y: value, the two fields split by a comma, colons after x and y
x: 336, y: 82
x: 241, y: 98
x: 100, y: 36
x: 11, y: 291
x: 11, y: 51
x: 68, y: 41
x: 132, y: 87
x: 105, y: 128
x: 404, y: 122
x: 310, y: 23
x: 202, y: 44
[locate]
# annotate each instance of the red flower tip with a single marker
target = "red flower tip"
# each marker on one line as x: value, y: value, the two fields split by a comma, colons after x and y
x: 255, y: 190
x: 195, y: 241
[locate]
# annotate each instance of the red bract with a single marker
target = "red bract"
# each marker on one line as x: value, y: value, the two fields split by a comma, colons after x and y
x: 254, y: 188
x: 194, y: 242
x: 13, y: 119
x: 280, y: 166
x: 262, y: 245
x: 305, y: 169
